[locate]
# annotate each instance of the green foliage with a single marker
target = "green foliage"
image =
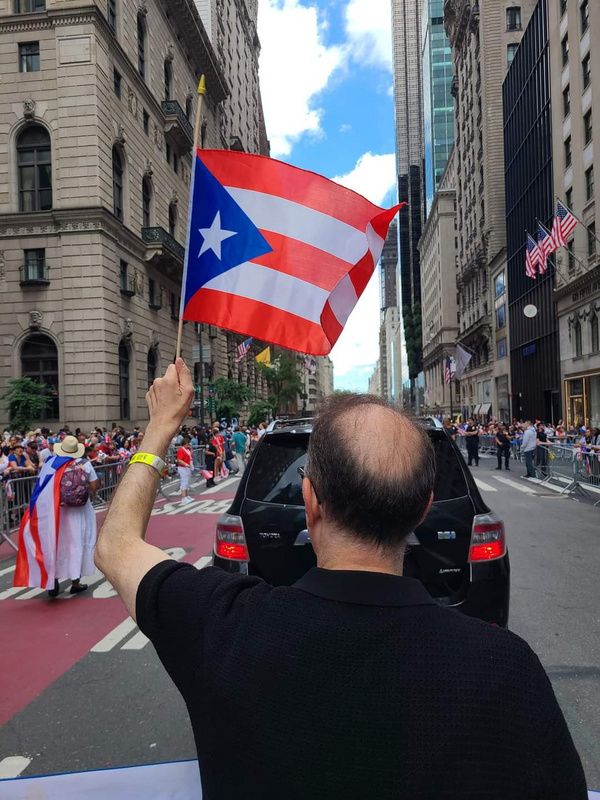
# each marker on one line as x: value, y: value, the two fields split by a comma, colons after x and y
x: 259, y: 412
x: 229, y: 397
x: 283, y: 380
x: 25, y: 400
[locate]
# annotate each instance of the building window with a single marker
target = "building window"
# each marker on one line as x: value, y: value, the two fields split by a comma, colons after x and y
x: 123, y: 275
x: 168, y: 80
x: 584, y: 10
x: 501, y: 316
x: 500, y: 284
x: 591, y: 232
x: 586, y: 71
x: 577, y: 339
x: 117, y: 168
x: 568, y: 152
x: 501, y: 348
x: 564, y: 46
x: 152, y: 365
x: 168, y: 152
x: 173, y: 304
x: 188, y: 107
x: 35, y: 169
x: 594, y: 333
x: 589, y: 183
x: 29, y: 6
x: 175, y: 163
x: 154, y: 297
x: 112, y: 14
x: 146, y: 121
x: 146, y: 202
x: 513, y: 19
x: 511, y: 51
x: 39, y: 361
x: 569, y: 199
x: 588, y: 127
x: 563, y: 7
x: 571, y: 252
x: 567, y: 101
x: 124, y: 380
x: 29, y: 57
x: 173, y: 220
x: 34, y: 265
x: 141, y: 34
x: 117, y: 83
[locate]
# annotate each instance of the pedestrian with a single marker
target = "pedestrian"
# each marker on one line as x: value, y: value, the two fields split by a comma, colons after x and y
x: 19, y: 463
x: 472, y: 434
x: 210, y: 458
x: 48, y: 450
x: 219, y: 443
x: 541, y: 450
x: 241, y: 446
x: 502, y: 447
x: 528, y: 445
x: 450, y: 428
x: 77, y: 519
x: 354, y: 682
x: 184, y: 468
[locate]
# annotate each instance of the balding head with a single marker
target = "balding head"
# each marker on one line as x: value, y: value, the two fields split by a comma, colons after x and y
x: 372, y: 468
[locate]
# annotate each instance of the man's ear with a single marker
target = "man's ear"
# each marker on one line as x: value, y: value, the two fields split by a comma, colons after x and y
x: 427, y: 509
x: 311, y: 504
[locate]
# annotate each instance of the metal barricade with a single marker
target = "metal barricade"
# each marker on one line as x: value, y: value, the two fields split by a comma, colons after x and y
x: 560, y: 469
x: 586, y: 463
x: 108, y: 477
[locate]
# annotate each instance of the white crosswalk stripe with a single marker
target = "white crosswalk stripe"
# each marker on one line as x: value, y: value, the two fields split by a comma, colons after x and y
x: 13, y: 766
x: 115, y: 636
x: 514, y: 485
x: 485, y: 486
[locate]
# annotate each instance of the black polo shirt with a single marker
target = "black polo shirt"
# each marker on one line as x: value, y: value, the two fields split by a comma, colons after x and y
x: 354, y: 685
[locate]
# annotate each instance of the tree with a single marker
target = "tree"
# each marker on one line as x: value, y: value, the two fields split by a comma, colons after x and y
x: 25, y: 399
x: 260, y: 412
x: 229, y: 397
x: 283, y: 380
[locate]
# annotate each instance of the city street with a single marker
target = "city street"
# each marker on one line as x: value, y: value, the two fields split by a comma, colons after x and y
x: 83, y: 689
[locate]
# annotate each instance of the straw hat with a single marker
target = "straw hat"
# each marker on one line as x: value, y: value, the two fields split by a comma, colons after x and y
x: 69, y: 447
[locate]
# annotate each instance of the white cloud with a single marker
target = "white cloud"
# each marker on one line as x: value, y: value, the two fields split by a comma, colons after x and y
x: 295, y: 65
x: 369, y: 31
x: 374, y: 176
x: 345, y: 128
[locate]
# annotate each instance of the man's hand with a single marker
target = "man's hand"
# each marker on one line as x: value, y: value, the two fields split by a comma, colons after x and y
x: 168, y: 401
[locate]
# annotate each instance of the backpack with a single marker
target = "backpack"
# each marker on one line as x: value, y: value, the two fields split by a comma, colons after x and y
x: 74, y: 489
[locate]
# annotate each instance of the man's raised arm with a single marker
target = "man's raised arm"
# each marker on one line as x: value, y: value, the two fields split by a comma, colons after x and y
x: 121, y: 552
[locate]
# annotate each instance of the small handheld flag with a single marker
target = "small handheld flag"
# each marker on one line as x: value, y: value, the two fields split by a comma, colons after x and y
x: 533, y: 257
x: 243, y: 348
x: 276, y: 252
x: 563, y: 226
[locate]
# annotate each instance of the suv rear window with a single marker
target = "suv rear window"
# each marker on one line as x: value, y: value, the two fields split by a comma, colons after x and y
x: 274, y: 474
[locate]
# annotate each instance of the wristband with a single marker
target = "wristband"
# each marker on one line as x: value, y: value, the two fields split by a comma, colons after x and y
x: 152, y: 461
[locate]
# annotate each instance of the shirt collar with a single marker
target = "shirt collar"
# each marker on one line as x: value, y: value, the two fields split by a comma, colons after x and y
x: 364, y: 588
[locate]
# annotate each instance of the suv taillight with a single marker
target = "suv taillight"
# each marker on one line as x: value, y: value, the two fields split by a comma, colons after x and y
x: 230, y: 540
x: 487, y: 538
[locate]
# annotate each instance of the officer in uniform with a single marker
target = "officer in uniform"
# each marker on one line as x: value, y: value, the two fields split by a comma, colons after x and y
x: 472, y: 434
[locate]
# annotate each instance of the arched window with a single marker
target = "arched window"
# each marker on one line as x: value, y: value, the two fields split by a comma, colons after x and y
x: 117, y: 168
x: 124, y: 380
x: 152, y: 365
x: 173, y: 220
x: 141, y: 34
x: 39, y: 361
x: 577, y: 338
x: 594, y: 332
x: 146, y: 202
x: 168, y: 80
x: 34, y: 163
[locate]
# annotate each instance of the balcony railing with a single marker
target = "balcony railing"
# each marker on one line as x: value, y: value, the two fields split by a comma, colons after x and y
x: 34, y: 273
x: 162, y: 239
x: 177, y: 125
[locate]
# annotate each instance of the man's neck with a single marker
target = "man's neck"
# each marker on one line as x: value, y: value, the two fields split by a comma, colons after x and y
x: 360, y: 560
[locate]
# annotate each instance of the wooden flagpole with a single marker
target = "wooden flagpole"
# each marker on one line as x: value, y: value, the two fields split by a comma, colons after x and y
x: 201, y: 93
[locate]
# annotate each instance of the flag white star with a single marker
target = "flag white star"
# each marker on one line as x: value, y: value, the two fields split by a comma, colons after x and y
x: 214, y: 236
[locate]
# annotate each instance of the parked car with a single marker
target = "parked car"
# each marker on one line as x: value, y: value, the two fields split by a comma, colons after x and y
x: 459, y: 552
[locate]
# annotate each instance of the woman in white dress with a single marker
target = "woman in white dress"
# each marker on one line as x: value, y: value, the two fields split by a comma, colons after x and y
x: 77, y: 527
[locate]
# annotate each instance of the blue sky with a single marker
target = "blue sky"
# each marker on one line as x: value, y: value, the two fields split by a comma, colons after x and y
x: 326, y: 83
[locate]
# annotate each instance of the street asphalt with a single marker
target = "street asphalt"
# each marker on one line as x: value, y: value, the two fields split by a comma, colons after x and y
x: 115, y: 706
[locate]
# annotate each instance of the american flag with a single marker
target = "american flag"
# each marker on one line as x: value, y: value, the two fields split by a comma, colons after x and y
x: 533, y: 257
x: 448, y: 371
x: 243, y: 348
x: 546, y: 246
x: 563, y: 226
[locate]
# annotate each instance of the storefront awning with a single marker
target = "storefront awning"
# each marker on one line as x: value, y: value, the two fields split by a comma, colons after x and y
x: 485, y: 408
x: 476, y: 409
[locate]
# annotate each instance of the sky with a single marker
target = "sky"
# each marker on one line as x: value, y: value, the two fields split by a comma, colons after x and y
x: 326, y: 83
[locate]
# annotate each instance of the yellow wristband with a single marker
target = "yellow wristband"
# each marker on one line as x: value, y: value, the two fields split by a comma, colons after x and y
x: 148, y: 458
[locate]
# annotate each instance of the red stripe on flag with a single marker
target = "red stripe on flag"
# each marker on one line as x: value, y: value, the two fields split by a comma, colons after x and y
x: 39, y: 556
x: 303, y: 261
x: 330, y: 324
x: 21, y: 576
x: 261, y: 174
x: 260, y: 320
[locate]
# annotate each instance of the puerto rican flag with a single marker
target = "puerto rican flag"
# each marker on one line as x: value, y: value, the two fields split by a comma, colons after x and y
x: 275, y: 252
x: 38, y: 534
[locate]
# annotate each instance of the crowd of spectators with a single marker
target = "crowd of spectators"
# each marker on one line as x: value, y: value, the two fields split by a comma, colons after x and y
x: 582, y: 436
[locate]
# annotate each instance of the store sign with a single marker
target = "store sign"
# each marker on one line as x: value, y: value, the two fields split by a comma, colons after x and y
x: 586, y: 291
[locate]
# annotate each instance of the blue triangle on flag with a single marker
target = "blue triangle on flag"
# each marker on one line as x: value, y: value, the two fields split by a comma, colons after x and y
x: 221, y: 235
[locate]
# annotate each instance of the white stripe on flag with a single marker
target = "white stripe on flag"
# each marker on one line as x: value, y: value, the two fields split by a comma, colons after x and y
x: 274, y: 288
x: 287, y: 218
x: 375, y: 243
x: 343, y: 299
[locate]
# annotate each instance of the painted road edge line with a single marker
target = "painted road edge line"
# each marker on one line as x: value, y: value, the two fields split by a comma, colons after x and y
x: 514, y: 485
x: 13, y: 766
x: 484, y: 486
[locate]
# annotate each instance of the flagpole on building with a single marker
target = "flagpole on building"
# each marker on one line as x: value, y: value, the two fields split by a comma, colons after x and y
x: 201, y: 93
x: 581, y: 222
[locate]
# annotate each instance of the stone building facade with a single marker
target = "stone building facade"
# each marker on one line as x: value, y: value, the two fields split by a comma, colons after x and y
x: 575, y: 86
x: 437, y: 249
x: 484, y: 36
x: 97, y: 125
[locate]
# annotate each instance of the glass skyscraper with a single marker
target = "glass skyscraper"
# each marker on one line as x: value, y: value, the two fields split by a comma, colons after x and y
x: 438, y: 105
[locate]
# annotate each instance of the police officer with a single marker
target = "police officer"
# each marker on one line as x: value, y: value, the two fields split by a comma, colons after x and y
x: 472, y: 434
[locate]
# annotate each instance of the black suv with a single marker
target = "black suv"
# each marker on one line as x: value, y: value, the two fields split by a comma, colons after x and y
x: 459, y: 553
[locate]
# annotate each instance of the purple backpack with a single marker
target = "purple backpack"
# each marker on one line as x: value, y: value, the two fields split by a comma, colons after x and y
x: 74, y: 489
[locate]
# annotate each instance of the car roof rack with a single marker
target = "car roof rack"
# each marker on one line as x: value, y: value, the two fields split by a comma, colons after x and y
x: 302, y: 422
